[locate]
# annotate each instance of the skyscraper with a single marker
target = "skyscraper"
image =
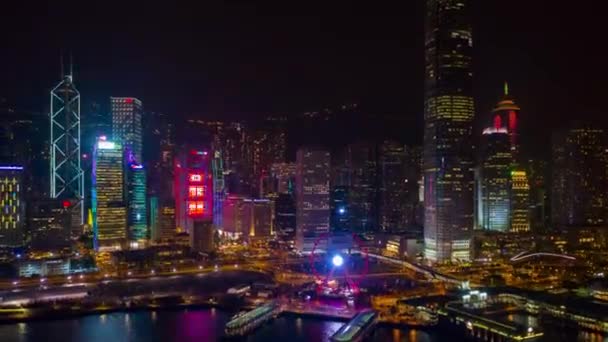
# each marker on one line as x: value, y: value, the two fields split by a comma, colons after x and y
x: 66, y: 174
x: 493, y: 181
x: 448, y: 118
x: 578, y: 190
x: 193, y: 188
x: 127, y: 125
x: 107, y: 196
x: 363, y: 191
x: 12, y: 218
x: 312, y: 196
x: 285, y: 217
x: 506, y: 115
x: 393, y: 186
x: 340, y: 209
x: 48, y: 224
x: 520, y: 202
x: 136, y: 201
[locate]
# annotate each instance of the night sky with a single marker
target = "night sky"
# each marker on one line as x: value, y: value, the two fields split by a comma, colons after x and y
x: 241, y: 60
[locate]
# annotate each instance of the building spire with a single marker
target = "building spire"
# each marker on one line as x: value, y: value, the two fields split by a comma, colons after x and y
x: 71, y: 65
x: 506, y: 88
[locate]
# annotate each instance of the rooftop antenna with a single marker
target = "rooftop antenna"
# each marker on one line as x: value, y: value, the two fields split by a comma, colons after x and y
x: 71, y: 66
x: 506, y: 88
x: 61, y: 65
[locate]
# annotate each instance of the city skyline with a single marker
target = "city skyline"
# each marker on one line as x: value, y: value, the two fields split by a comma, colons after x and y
x: 346, y: 69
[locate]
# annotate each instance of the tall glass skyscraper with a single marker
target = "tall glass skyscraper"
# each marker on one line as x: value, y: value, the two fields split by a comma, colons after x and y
x: 107, y: 196
x: 136, y: 200
x: 312, y: 196
x: 126, y: 124
x: 494, y: 181
x: 448, y: 120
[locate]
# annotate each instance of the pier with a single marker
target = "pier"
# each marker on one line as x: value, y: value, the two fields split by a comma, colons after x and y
x: 243, y: 324
x: 358, y: 328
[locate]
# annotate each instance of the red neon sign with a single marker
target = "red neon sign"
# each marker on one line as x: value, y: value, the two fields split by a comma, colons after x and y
x: 196, y: 208
x: 196, y: 191
x: 195, y: 177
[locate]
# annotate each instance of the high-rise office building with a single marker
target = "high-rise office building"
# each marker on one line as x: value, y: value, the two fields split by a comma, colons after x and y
x: 363, y: 190
x: 164, y: 173
x: 312, y: 196
x: 236, y: 218
x: 107, y: 196
x: 394, y: 186
x: 448, y: 120
x: 283, y: 176
x: 127, y: 125
x: 12, y: 218
x: 578, y: 190
x: 285, y: 217
x: 539, y: 198
x: 23, y: 141
x: 66, y: 174
x: 493, y: 181
x: 154, y: 218
x: 138, y: 232
x: 193, y: 188
x: 506, y: 116
x: 202, y: 235
x: 48, y: 224
x: 340, y: 210
x: 520, y: 202
x: 262, y: 225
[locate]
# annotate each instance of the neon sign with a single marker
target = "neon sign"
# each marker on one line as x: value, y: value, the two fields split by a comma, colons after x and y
x: 106, y: 145
x: 196, y: 208
x: 196, y: 177
x: 196, y: 191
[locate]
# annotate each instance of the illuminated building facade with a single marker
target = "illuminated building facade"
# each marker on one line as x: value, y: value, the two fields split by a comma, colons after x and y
x: 236, y: 219
x: 537, y: 174
x: 578, y: 190
x: 193, y: 188
x: 136, y: 202
x: 448, y: 120
x: 66, y: 174
x: 340, y: 209
x: 506, y: 116
x: 261, y: 226
x: 520, y: 202
x: 494, y: 181
x: 398, y: 186
x: 283, y: 177
x: 285, y: 217
x: 247, y: 218
x: 363, y: 191
x: 154, y: 218
x: 49, y: 223
x: 127, y: 124
x: 312, y: 196
x: 12, y: 208
x: 107, y: 196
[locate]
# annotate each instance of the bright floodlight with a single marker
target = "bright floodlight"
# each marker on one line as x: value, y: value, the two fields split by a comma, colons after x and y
x: 337, y: 260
